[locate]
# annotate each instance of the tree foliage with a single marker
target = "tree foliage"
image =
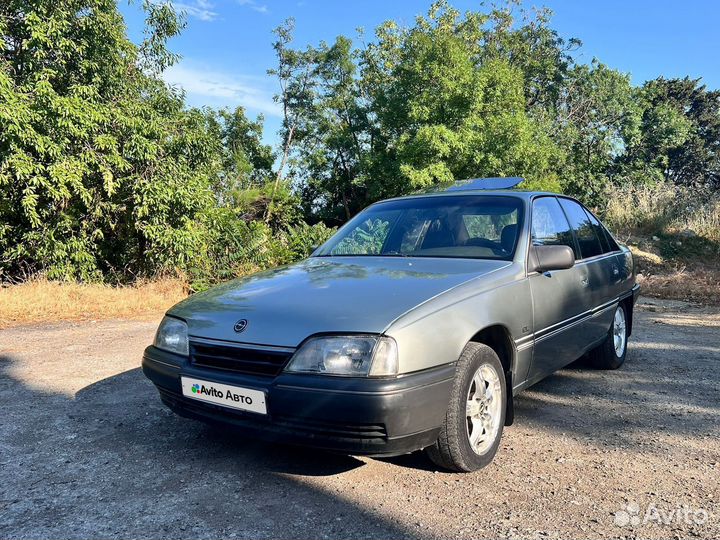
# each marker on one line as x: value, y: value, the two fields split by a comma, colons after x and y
x: 484, y: 93
x: 678, y: 139
x: 443, y: 113
x: 103, y: 171
x: 106, y: 174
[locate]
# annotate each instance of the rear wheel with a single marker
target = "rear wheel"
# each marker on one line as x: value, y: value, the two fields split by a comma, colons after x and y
x: 610, y: 354
x: 470, y: 435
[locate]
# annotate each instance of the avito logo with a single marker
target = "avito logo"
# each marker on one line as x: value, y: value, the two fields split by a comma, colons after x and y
x: 207, y: 390
x: 214, y: 392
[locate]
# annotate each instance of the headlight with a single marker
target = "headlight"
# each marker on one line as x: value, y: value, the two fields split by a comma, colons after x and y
x: 359, y: 356
x: 172, y: 336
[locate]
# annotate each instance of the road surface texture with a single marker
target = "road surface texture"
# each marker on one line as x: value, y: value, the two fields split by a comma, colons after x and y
x: 88, y: 451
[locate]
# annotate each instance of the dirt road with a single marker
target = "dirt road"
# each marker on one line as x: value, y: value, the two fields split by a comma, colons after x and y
x: 87, y: 451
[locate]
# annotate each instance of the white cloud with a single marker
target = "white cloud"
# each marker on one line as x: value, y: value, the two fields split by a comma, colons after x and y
x: 204, y: 10
x: 205, y: 86
x: 200, y: 9
x: 254, y: 5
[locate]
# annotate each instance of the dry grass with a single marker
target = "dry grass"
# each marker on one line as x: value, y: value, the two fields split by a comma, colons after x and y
x: 674, y: 233
x: 699, y: 285
x: 686, y: 277
x: 39, y: 300
x: 663, y: 208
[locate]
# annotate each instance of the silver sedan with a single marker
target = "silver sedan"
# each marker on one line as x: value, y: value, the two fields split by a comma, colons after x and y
x: 412, y: 328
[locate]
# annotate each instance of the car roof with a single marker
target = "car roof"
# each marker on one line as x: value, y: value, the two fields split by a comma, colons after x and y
x: 520, y: 194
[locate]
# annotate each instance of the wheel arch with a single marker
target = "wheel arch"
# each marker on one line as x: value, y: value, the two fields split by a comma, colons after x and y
x: 499, y: 339
x: 629, y: 305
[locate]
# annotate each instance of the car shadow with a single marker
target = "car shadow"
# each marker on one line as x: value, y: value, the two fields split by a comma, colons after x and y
x: 112, y: 461
x: 101, y: 398
x: 666, y: 389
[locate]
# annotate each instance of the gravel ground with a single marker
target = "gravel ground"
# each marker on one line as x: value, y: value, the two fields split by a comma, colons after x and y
x: 87, y: 451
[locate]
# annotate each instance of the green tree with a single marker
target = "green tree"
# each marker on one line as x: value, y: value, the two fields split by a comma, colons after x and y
x: 331, y: 162
x: 297, y: 76
x: 679, y: 139
x: 528, y: 42
x: 101, y: 168
x: 419, y: 106
x: 444, y: 111
x: 247, y: 163
x: 596, y: 115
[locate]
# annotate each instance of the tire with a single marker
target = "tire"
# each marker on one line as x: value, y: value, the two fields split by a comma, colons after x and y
x: 610, y: 354
x: 478, y: 365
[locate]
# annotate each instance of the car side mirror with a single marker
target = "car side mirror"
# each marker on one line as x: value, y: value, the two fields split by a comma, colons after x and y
x: 546, y: 258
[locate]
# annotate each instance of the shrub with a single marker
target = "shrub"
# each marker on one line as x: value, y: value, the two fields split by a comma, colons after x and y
x: 235, y: 247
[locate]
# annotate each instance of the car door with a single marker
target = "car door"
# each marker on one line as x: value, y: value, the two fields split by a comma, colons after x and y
x: 601, y: 270
x: 617, y: 269
x: 559, y: 297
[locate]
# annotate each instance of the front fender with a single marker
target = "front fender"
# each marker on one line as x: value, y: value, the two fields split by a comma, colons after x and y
x: 435, y: 333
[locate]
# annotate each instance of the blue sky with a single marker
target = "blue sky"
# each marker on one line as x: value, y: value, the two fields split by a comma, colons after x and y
x: 227, y: 45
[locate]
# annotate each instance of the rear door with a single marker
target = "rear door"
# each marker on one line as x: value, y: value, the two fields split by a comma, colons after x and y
x: 600, y: 266
x: 618, y: 271
x: 559, y: 297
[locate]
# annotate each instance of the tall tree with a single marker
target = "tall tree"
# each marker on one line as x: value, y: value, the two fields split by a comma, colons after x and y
x: 247, y: 162
x: 331, y: 161
x: 595, y: 115
x: 528, y: 42
x: 444, y: 111
x: 679, y: 134
x: 296, y: 76
x: 443, y: 99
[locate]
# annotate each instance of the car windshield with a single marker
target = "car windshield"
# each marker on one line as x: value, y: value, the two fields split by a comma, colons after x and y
x: 463, y: 226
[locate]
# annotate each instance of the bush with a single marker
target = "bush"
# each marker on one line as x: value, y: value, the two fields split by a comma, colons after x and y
x: 235, y: 247
x: 103, y: 171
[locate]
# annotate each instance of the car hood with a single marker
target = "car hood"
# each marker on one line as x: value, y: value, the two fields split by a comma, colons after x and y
x: 339, y: 294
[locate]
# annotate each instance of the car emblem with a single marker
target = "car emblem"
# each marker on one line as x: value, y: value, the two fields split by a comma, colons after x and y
x: 241, y: 325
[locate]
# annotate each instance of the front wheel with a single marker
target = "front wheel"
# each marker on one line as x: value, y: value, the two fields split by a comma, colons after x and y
x: 610, y: 354
x: 470, y: 434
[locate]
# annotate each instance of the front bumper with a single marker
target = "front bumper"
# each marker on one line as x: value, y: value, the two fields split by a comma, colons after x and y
x: 362, y: 416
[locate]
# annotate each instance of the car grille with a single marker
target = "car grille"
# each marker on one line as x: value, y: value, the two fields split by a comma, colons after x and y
x: 239, y: 359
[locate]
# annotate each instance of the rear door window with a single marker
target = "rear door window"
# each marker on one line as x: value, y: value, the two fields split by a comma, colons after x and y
x: 587, y: 238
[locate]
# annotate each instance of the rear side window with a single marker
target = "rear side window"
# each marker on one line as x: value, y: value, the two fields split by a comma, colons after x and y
x: 550, y: 227
x: 608, y: 242
x: 586, y: 234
